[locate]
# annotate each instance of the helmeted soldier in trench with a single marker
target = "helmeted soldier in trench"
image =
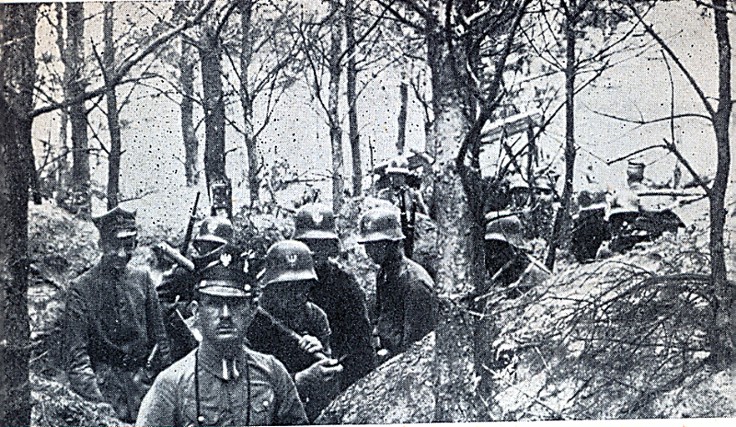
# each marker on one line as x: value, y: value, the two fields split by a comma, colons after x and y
x: 114, y: 336
x: 337, y: 293
x: 406, y: 301
x: 212, y: 245
x: 293, y: 329
x: 223, y: 382
x: 508, y: 262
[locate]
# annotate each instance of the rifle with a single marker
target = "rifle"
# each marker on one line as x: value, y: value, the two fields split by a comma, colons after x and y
x: 190, y: 226
x: 407, y: 221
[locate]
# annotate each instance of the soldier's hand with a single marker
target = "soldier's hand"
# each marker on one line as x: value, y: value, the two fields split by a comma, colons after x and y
x: 310, y: 344
x: 320, y: 372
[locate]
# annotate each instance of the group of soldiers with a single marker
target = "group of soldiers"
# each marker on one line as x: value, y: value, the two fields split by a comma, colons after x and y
x: 218, y: 343
x: 215, y: 343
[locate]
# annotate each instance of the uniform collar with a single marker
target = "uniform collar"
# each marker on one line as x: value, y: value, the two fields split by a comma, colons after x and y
x: 212, y: 361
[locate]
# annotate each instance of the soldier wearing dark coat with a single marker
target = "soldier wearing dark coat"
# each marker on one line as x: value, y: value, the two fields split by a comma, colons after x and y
x: 406, y: 301
x: 293, y: 329
x: 114, y: 333
x: 337, y: 293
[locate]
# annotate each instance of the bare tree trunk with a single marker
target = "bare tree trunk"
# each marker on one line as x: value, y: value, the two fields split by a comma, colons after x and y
x: 17, y: 76
x: 724, y: 346
x: 352, y: 74
x: 559, y: 228
x: 338, y: 182
x: 404, y: 95
x: 246, y: 52
x: 189, y: 136
x: 62, y: 170
x: 113, y: 122
x: 214, y: 106
x: 77, y: 112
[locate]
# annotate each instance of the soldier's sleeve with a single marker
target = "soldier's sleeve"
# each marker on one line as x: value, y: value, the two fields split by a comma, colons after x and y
x: 421, y: 307
x: 158, y: 407
x: 155, y: 324
x: 321, y: 328
x: 289, y: 409
x: 362, y: 355
x: 82, y: 378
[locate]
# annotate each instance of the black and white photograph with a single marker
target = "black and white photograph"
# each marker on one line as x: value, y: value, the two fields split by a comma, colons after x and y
x: 350, y: 212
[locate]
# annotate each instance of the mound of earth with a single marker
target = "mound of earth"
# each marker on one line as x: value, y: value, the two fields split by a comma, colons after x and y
x: 624, y: 337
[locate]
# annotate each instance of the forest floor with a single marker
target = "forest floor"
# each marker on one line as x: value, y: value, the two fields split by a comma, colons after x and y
x: 622, y: 337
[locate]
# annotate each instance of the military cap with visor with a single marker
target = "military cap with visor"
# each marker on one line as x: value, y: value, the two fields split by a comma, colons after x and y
x: 222, y: 281
x: 315, y: 221
x: 117, y: 223
x: 380, y: 224
x: 288, y: 261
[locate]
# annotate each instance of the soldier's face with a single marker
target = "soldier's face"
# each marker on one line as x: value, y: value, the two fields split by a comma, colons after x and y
x: 223, y: 320
x: 497, y: 254
x: 377, y: 251
x: 118, y: 251
x: 322, y: 250
x: 286, y: 298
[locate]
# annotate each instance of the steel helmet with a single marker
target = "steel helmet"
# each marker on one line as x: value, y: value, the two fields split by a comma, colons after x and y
x: 215, y: 229
x: 398, y: 165
x: 624, y: 203
x: 315, y: 221
x: 506, y: 227
x: 288, y: 261
x: 380, y: 224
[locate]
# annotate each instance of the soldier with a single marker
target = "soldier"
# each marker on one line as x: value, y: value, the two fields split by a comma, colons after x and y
x: 398, y: 190
x: 211, y: 245
x: 223, y: 382
x: 337, y: 293
x: 406, y: 302
x: 293, y: 329
x: 506, y: 254
x: 114, y: 334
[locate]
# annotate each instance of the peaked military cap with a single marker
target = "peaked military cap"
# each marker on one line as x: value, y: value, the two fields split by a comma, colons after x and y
x: 116, y: 223
x: 219, y: 280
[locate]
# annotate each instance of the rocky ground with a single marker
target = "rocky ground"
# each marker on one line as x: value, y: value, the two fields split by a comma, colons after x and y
x: 622, y: 337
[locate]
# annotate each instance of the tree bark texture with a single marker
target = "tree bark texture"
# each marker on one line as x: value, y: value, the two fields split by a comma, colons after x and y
x: 338, y: 179
x: 214, y: 106
x: 113, y: 121
x: 189, y: 136
x: 81, y: 202
x: 559, y: 228
x: 352, y: 76
x: 725, y: 341
x: 62, y: 170
x: 17, y: 75
x: 246, y: 99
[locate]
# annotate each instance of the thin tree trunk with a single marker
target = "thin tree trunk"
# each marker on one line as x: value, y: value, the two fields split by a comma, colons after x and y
x: 724, y: 346
x: 404, y: 96
x: 189, y: 137
x: 62, y: 170
x: 214, y: 107
x: 559, y: 228
x: 338, y: 182
x: 113, y: 122
x: 77, y: 113
x: 17, y: 76
x: 246, y: 52
x: 352, y: 74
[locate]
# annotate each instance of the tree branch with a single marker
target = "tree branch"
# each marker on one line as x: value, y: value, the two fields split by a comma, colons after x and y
x: 126, y: 66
